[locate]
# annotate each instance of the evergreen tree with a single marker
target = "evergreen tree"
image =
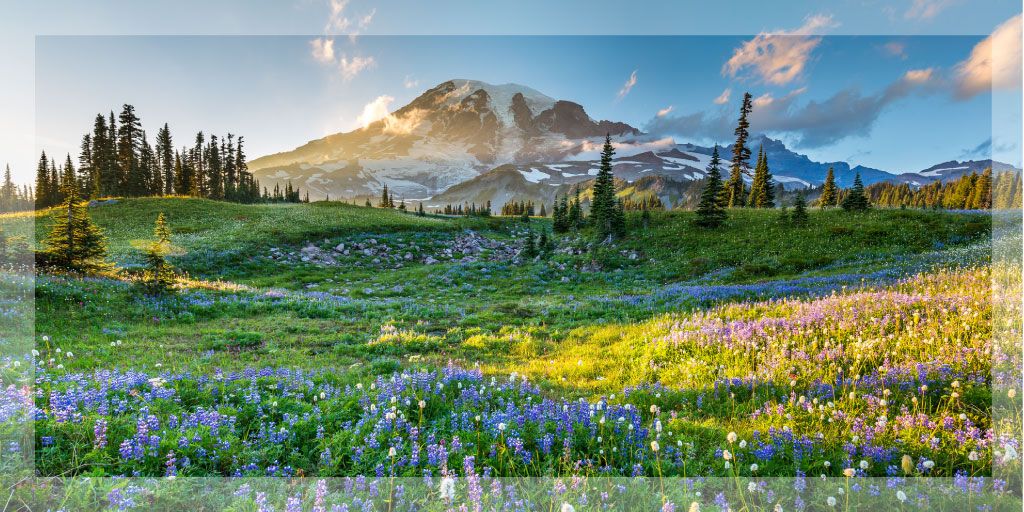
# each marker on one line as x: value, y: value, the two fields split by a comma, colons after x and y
x: 182, y: 182
x: 74, y: 242
x: 166, y: 160
x: 197, y: 167
x: 56, y: 193
x: 43, y: 194
x: 602, y: 203
x: 104, y: 157
x: 829, y: 193
x: 530, y: 247
x: 8, y: 193
x: 710, y: 212
x: 87, y: 186
x: 130, y: 180
x: 762, y: 193
x: 159, y: 276
x: 619, y: 219
x: 149, y: 170
x: 384, y: 197
x: 68, y: 178
x: 982, y: 197
x: 575, y: 216
x: 735, y: 187
x: 543, y: 212
x: 856, y: 200
x: 799, y: 216
x: 544, y: 244
x: 230, y: 168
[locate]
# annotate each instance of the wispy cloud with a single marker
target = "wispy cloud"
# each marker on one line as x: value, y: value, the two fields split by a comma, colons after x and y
x: 994, y: 63
x: 351, y: 67
x: 895, y: 49
x: 628, y: 86
x: 322, y: 48
x: 339, y: 21
x: 813, y: 123
x: 926, y: 9
x: 778, y: 57
x: 410, y: 82
x: 665, y: 111
x: 723, y: 98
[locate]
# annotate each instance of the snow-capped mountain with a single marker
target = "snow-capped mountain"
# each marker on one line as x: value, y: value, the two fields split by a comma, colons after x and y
x: 449, y: 134
x: 470, y: 141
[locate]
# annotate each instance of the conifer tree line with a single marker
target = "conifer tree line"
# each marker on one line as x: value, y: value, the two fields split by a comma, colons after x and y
x: 567, y: 214
x: 645, y: 203
x: 466, y: 209
x: 974, y: 191
x: 520, y: 208
x: 12, y: 197
x: 117, y: 159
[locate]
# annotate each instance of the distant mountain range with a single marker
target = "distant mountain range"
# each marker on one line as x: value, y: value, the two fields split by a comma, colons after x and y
x: 469, y: 141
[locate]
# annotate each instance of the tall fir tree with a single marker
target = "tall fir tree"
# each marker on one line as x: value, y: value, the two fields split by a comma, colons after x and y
x: 762, y: 192
x: 710, y: 212
x: 165, y: 159
x: 131, y: 181
x: 740, y: 156
x: 181, y: 178
x: 43, y: 194
x: 85, y: 171
x: 75, y: 243
x: 856, y: 200
x: 602, y: 203
x: 214, y: 169
x: 829, y: 193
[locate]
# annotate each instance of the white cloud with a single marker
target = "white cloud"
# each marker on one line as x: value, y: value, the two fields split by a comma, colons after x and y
x: 323, y: 50
x: 665, y: 111
x: 780, y: 57
x: 724, y: 97
x: 994, y: 63
x: 926, y: 9
x: 628, y: 86
x: 410, y: 82
x: 375, y: 110
x: 350, y: 68
x: 338, y: 22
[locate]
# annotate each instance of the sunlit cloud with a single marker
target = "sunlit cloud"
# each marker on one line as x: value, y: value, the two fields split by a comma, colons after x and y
x: 926, y: 9
x: 918, y: 76
x: 350, y: 68
x: 665, y: 111
x: 323, y: 50
x: 779, y: 57
x: 628, y: 86
x: 375, y: 110
x: 723, y: 98
x: 410, y: 82
x: 994, y: 63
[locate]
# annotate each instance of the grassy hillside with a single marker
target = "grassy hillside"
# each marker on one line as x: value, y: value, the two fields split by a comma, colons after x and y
x: 213, y: 225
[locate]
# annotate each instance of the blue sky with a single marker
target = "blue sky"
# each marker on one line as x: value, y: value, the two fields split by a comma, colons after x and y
x: 839, y: 86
